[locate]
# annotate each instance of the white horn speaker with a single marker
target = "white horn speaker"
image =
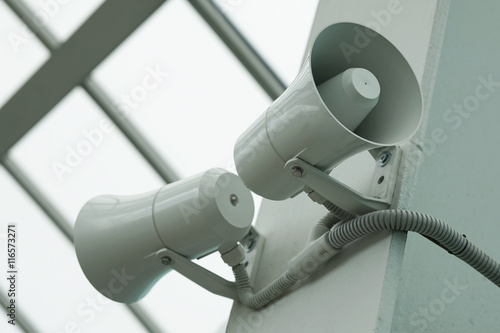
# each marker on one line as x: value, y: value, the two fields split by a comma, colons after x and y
x: 355, y: 92
x: 118, y: 239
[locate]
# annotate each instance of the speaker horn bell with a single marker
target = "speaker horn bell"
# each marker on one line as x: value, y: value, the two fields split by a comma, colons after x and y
x: 324, y: 123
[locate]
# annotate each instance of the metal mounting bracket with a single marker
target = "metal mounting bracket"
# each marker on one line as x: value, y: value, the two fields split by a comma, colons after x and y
x: 253, y: 243
x: 199, y: 275
x: 321, y: 187
x: 386, y: 173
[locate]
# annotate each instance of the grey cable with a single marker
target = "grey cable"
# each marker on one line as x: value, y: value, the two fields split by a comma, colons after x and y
x: 335, y: 216
x: 337, y: 211
x: 324, y: 225
x: 425, y: 225
x: 428, y: 226
x: 266, y: 295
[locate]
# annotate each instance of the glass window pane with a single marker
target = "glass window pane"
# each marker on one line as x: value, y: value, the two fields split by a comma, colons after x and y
x: 21, y: 53
x: 51, y: 288
x: 62, y: 17
x: 175, y: 301
x: 75, y: 153
x: 278, y: 30
x: 180, y: 84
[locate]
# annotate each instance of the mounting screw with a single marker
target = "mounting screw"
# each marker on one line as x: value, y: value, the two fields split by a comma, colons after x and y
x: 297, y: 171
x: 249, y: 244
x: 166, y: 261
x: 384, y: 159
x: 234, y: 200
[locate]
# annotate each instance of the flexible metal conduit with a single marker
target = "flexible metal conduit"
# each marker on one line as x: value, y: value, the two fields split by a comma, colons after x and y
x: 425, y: 225
x: 343, y: 234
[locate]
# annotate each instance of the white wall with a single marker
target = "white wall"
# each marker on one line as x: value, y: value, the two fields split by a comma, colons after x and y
x: 458, y: 181
x: 356, y: 290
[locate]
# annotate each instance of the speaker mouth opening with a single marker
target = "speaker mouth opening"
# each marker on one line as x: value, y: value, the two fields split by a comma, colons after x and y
x: 398, y: 113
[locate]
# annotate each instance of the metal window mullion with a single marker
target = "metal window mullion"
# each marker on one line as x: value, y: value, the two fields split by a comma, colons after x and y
x: 23, y: 180
x: 246, y: 54
x: 165, y: 172
x: 135, y: 137
x: 102, y: 99
x: 69, y: 64
x: 26, y: 15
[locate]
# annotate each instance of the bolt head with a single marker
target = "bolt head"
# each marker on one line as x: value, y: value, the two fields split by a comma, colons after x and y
x: 233, y: 198
x: 249, y: 245
x: 384, y: 159
x: 166, y: 261
x: 297, y: 171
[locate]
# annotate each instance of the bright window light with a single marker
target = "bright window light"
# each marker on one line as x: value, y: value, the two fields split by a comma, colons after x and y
x: 183, y: 88
x: 21, y: 53
x: 62, y: 18
x: 52, y: 289
x: 174, y: 299
x: 278, y: 30
x: 191, y: 99
x: 75, y: 153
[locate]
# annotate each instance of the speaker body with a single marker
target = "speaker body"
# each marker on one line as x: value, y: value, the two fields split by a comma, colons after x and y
x: 299, y: 124
x: 117, y: 238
